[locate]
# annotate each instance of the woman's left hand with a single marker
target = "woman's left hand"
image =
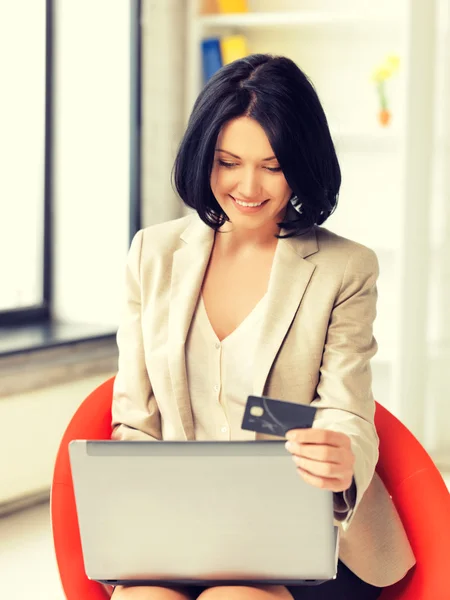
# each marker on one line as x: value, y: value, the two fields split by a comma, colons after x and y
x: 324, y: 458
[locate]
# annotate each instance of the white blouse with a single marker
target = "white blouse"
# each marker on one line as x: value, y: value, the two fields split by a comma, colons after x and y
x: 220, y: 374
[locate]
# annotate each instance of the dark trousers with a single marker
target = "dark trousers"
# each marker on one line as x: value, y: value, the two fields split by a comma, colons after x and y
x: 346, y: 586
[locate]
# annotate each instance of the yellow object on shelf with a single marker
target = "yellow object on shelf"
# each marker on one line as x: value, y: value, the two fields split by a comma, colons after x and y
x: 232, y: 6
x: 380, y: 75
x: 233, y: 47
x: 386, y: 69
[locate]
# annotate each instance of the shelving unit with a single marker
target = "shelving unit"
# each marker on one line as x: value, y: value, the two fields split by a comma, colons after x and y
x: 296, y: 18
x: 376, y: 139
x: 386, y: 172
x: 261, y: 23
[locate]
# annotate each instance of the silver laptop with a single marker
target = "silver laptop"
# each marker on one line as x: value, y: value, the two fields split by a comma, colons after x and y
x: 200, y: 513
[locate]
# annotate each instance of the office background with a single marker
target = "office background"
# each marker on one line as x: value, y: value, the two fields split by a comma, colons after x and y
x: 95, y: 98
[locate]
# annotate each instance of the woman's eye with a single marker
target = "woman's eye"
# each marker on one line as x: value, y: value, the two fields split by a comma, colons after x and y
x: 230, y: 165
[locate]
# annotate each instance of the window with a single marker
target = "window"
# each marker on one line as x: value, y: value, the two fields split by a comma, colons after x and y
x: 75, y: 159
x: 25, y: 156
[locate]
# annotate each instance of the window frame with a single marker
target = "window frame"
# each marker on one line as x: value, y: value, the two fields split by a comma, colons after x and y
x: 135, y: 117
x: 42, y: 313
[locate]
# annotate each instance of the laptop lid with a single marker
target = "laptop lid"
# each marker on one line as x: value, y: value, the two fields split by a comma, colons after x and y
x: 200, y: 512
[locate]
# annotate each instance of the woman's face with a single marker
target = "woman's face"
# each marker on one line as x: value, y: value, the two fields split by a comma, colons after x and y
x: 246, y: 178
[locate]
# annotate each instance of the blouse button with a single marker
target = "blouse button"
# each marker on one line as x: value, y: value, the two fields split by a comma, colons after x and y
x: 217, y: 345
x: 216, y: 388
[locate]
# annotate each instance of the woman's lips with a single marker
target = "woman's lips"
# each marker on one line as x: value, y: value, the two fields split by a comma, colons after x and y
x: 247, y: 209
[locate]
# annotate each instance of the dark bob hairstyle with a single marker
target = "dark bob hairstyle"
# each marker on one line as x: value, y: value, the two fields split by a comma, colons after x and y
x: 273, y: 91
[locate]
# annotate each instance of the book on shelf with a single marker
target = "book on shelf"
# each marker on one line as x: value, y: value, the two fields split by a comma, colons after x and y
x: 211, y: 57
x: 217, y: 52
x: 224, y: 6
x: 233, y: 47
x: 232, y: 6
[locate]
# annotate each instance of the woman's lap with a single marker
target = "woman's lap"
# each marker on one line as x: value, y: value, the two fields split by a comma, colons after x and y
x: 346, y: 586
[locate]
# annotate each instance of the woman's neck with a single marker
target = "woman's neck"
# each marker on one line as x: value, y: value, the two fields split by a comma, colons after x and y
x: 230, y: 240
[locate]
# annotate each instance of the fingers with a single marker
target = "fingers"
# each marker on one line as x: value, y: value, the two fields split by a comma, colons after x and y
x: 330, y: 476
x: 332, y: 484
x: 317, y: 468
x: 323, y: 458
x: 318, y: 436
x: 320, y: 452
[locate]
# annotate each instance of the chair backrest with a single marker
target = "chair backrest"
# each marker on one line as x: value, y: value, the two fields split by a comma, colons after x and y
x: 91, y: 421
x: 408, y: 472
x: 423, y: 502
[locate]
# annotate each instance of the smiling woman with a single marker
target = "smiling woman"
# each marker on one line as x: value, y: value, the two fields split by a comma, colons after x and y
x: 254, y: 135
x: 249, y: 184
x: 250, y: 295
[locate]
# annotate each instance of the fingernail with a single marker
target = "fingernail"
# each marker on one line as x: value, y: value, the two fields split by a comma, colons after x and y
x: 289, y: 445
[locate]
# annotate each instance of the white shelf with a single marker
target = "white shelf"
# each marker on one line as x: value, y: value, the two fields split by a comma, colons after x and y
x: 367, y: 134
x: 293, y: 19
x: 381, y: 137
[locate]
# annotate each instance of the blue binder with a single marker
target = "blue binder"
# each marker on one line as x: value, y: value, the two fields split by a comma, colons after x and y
x: 211, y: 57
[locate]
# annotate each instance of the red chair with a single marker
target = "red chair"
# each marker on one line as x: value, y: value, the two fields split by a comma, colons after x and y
x: 91, y: 421
x: 410, y: 475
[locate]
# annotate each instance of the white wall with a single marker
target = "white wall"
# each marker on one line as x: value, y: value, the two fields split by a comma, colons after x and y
x: 163, y: 85
x: 438, y: 391
x: 36, y: 422
x: 91, y: 177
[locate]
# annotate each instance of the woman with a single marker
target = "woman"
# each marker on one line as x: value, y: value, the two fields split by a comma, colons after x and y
x: 249, y: 294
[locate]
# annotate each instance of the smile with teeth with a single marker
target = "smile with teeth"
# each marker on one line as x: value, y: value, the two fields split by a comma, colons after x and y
x: 248, y: 204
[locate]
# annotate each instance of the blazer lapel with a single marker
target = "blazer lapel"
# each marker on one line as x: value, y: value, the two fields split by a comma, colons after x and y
x: 289, y: 279
x: 188, y: 270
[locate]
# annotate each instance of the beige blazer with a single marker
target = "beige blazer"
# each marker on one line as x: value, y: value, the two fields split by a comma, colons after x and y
x: 316, y: 347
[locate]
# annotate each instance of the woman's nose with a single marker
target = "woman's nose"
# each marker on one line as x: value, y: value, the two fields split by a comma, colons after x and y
x: 249, y: 185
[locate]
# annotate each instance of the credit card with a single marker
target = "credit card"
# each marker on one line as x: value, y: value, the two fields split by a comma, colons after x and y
x: 276, y: 417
